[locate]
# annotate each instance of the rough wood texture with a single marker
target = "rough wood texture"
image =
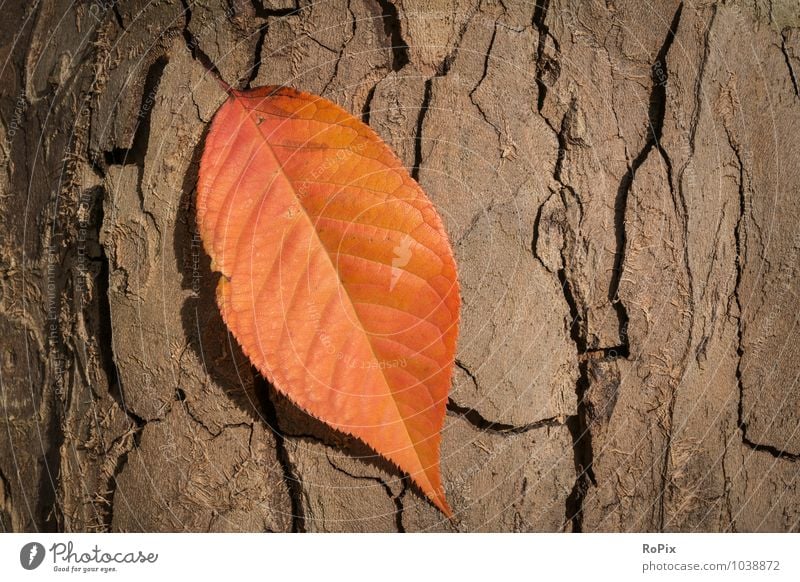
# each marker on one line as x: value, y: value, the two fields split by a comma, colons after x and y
x: 621, y: 187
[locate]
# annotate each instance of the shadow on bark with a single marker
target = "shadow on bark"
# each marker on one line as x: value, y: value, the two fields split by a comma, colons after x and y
x: 228, y: 367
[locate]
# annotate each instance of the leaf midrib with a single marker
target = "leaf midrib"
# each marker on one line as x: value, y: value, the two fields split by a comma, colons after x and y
x: 288, y: 180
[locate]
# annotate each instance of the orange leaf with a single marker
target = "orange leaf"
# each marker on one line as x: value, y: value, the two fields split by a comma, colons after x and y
x: 338, y: 279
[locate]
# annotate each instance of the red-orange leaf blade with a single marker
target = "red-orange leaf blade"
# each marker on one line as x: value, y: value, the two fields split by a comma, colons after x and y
x: 338, y: 279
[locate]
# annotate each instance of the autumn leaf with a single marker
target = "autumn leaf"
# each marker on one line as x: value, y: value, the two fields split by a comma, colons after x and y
x: 338, y: 279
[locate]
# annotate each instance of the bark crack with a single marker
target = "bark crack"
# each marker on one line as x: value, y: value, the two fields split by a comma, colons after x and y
x: 580, y: 423
x: 441, y: 71
x: 291, y: 478
x: 474, y: 101
x: 115, y: 456
x: 698, y: 89
x: 266, y: 13
x: 727, y: 487
x: 577, y: 424
x: 423, y: 110
x: 396, y: 499
x: 477, y: 420
x: 130, y: 440
x: 366, y: 110
x: 135, y: 154
x: 194, y: 47
x: 542, y: 61
x: 740, y: 237
x: 787, y: 58
x: 262, y: 35
x: 656, y: 113
x: 180, y: 397
x: 120, y: 448
x: 340, y: 53
x: 394, y: 31
x: 6, y: 505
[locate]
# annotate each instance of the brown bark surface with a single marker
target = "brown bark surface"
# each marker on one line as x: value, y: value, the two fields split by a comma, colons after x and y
x: 620, y: 183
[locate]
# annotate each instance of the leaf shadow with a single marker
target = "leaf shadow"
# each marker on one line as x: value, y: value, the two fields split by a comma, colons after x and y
x: 226, y: 366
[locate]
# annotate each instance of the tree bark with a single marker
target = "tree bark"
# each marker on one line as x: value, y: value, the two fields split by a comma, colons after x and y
x: 620, y: 184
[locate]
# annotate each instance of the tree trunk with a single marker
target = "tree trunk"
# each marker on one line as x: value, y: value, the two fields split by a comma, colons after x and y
x: 620, y: 185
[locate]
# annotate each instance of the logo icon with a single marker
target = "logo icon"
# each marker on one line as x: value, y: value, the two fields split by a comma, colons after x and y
x: 31, y: 555
x: 402, y: 256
